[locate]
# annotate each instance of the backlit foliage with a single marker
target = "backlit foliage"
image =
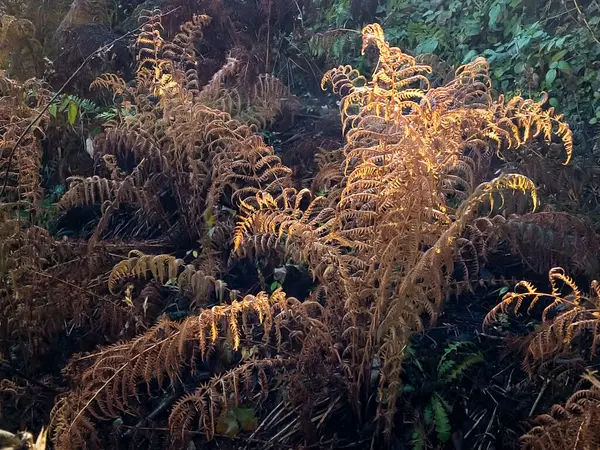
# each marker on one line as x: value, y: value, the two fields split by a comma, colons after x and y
x: 173, y: 139
x: 571, y: 426
x: 567, y: 316
x: 185, y: 192
x: 395, y: 231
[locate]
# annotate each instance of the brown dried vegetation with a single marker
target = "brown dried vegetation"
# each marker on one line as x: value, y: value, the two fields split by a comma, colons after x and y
x: 406, y: 214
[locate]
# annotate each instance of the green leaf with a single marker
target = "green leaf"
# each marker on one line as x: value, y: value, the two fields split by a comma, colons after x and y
x: 469, y: 56
x: 553, y: 102
x: 519, y: 67
x: 247, y: 418
x: 499, y: 71
x: 466, y: 364
x: 560, y: 41
x: 593, y: 121
x: 427, y: 46
x: 228, y: 424
x: 442, y: 423
x: 559, y: 55
x: 428, y: 414
x: 52, y: 110
x: 550, y: 76
x: 563, y: 66
x: 73, y: 110
x: 494, y: 13
x: 66, y: 101
x: 503, y: 291
x: 275, y: 285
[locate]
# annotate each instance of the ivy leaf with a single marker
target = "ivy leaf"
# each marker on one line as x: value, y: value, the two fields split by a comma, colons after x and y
x: 427, y: 46
x: 73, y: 110
x: 563, y: 66
x: 519, y: 67
x: 494, y: 13
x: 469, y: 56
x: 550, y: 76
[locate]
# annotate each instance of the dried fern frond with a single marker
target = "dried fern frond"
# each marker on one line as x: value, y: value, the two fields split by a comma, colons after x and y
x: 110, y: 383
x: 138, y: 265
x: 572, y: 426
x: 567, y: 314
x: 208, y: 403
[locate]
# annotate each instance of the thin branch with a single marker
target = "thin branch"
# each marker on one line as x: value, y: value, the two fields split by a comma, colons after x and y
x: 580, y: 12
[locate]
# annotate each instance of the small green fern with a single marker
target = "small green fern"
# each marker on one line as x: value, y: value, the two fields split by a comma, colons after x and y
x: 461, y: 368
x: 440, y: 417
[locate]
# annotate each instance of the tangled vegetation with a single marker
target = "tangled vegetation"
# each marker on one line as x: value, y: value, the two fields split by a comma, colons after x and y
x: 189, y: 256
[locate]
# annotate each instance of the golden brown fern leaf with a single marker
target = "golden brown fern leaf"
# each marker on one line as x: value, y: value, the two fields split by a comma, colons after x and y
x: 110, y: 81
x: 19, y: 104
x: 410, y: 153
x: 114, y: 374
x: 139, y: 265
x: 267, y: 99
x: 573, y: 426
x: 181, y: 51
x: 294, y: 223
x: 248, y: 383
x: 567, y: 315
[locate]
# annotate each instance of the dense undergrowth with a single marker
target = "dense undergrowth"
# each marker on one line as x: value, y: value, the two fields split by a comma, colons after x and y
x: 191, y: 255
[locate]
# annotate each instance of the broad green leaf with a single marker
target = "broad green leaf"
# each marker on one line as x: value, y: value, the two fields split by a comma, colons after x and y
x: 499, y: 71
x: 560, y: 41
x: 563, y: 66
x: 494, y: 13
x: 66, y: 101
x: 52, y: 110
x: 559, y: 55
x: 550, y: 76
x: 553, y: 102
x: 247, y: 418
x: 593, y: 121
x: 469, y: 56
x: 275, y: 285
x: 73, y: 110
x: 427, y: 46
x: 228, y: 424
x: 519, y: 67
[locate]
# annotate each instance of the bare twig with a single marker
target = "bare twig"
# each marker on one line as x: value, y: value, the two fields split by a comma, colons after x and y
x: 537, y: 400
x: 582, y: 16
